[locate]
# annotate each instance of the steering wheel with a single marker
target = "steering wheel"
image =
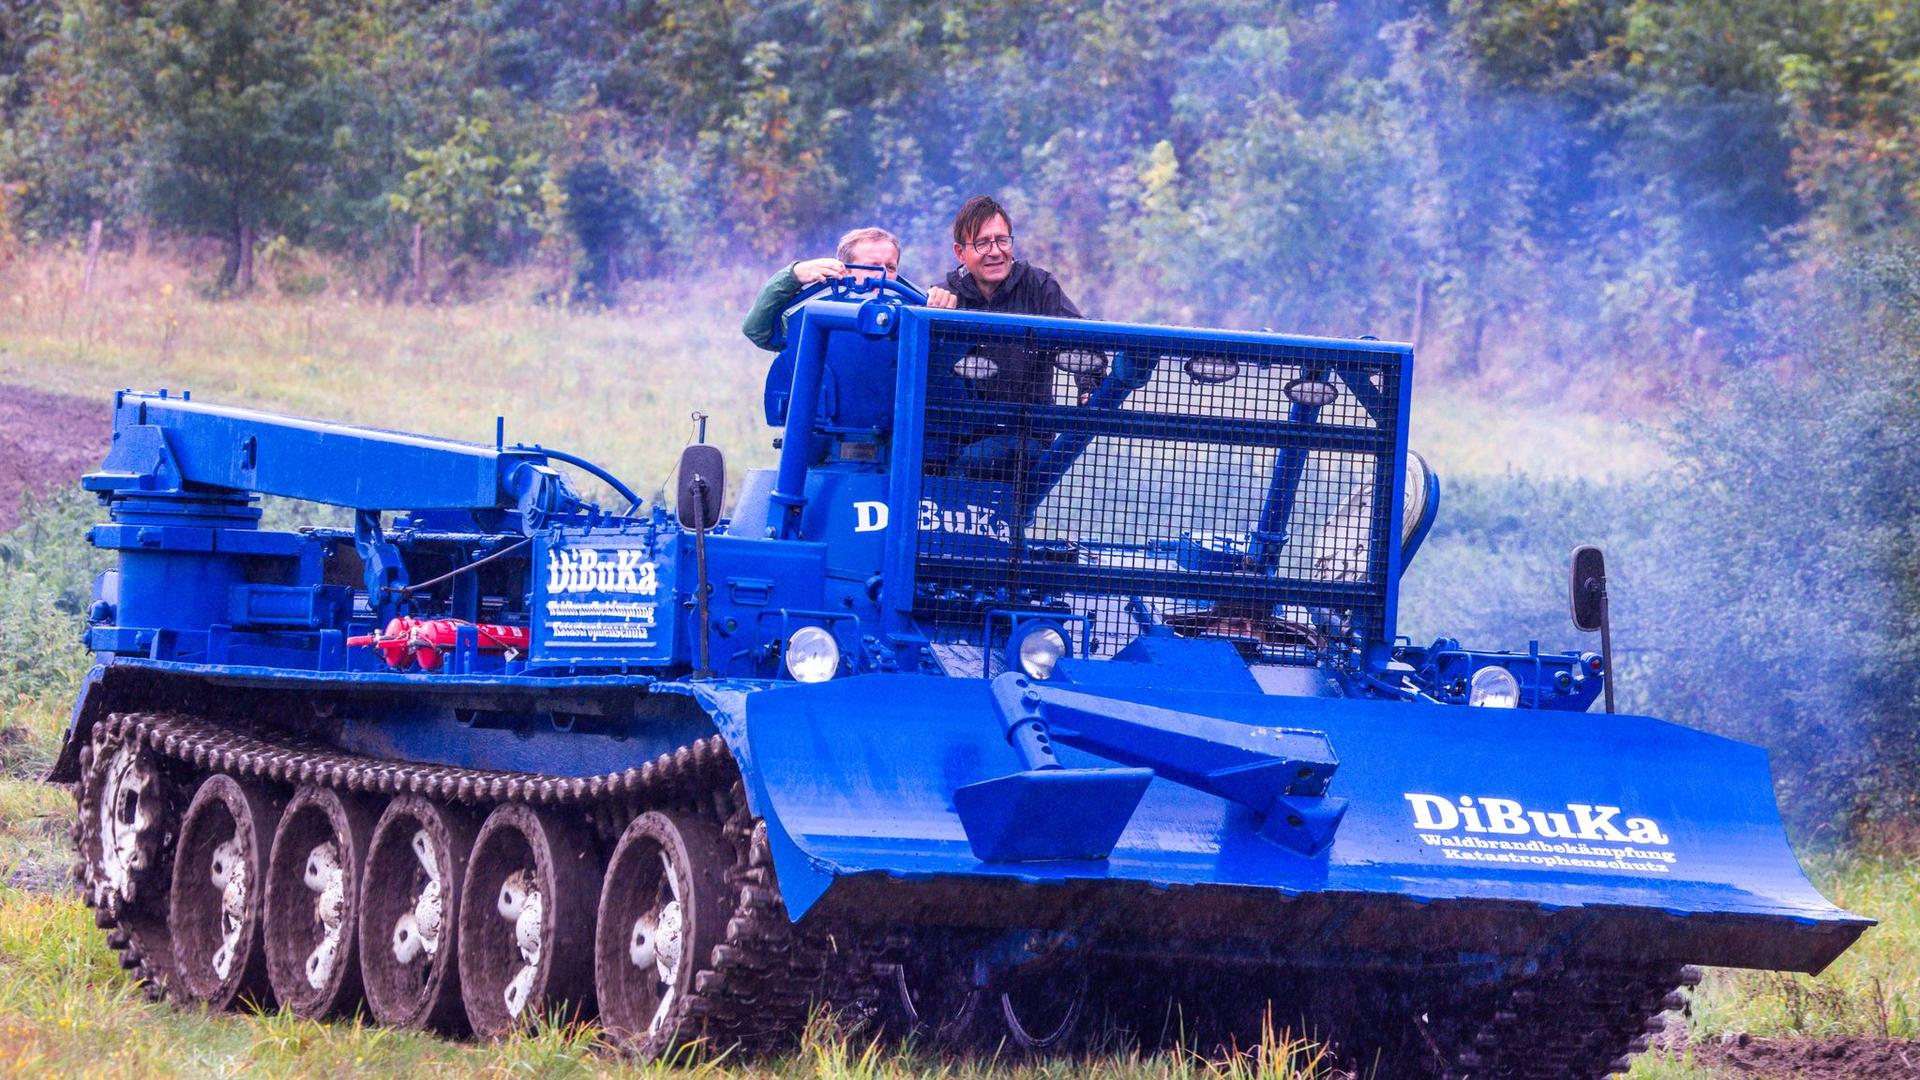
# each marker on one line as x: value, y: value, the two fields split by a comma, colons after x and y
x: 850, y: 287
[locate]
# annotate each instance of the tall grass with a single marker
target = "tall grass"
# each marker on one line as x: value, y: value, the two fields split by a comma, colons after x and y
x: 67, y: 1009
x: 46, y: 583
x: 1872, y: 989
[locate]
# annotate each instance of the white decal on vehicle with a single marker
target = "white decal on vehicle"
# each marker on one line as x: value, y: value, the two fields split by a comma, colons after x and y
x: 1585, y: 835
x: 588, y: 570
x: 869, y: 516
x: 968, y: 521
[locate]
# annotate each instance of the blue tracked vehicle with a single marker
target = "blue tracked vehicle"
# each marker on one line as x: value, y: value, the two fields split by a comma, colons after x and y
x: 1052, y: 674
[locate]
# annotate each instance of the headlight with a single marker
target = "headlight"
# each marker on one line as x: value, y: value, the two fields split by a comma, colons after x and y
x: 1494, y: 687
x: 1211, y: 369
x: 1040, y: 649
x: 1081, y: 362
x: 975, y: 366
x: 812, y: 655
x: 1312, y: 393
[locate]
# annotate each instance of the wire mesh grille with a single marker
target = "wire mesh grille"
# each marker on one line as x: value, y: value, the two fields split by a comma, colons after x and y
x: 1237, y: 488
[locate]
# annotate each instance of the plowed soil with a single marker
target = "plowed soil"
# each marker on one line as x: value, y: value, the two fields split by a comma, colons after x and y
x: 1811, y: 1059
x: 46, y: 441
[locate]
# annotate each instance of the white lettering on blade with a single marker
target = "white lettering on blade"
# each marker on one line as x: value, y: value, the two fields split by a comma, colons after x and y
x: 1488, y: 816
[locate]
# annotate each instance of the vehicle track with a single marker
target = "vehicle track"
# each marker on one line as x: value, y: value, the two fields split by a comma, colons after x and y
x: 766, y: 976
x: 760, y: 982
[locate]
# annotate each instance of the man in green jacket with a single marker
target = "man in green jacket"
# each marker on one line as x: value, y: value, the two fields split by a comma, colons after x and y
x: 766, y: 322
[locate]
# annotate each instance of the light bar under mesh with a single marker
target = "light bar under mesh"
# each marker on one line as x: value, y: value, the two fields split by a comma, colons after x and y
x: 1236, y: 486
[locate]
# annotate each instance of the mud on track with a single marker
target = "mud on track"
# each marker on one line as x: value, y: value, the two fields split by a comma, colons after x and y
x: 47, y: 441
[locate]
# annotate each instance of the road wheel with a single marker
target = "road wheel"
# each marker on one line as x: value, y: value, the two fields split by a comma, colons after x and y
x: 930, y: 996
x: 214, y: 911
x: 123, y: 839
x: 313, y: 900
x: 409, y: 912
x: 663, y: 908
x: 1039, y: 1005
x: 526, y: 920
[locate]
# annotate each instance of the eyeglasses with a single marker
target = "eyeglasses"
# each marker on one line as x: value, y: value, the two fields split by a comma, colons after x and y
x: 984, y: 244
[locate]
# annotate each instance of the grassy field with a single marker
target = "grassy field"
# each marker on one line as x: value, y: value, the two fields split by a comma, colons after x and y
x: 618, y: 386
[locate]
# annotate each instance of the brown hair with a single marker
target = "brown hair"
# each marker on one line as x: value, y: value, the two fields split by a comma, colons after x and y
x: 974, y: 215
x: 861, y: 236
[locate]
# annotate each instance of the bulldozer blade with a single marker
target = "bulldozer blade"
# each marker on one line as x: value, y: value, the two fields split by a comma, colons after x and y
x: 1499, y: 831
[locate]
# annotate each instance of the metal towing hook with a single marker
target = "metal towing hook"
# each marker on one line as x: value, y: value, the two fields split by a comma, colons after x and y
x: 1281, y: 774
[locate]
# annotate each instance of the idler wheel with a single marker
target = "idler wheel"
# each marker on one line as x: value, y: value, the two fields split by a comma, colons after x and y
x: 122, y: 822
x: 663, y: 908
x: 1039, y: 1005
x: 313, y: 900
x: 409, y: 909
x: 526, y: 919
x: 214, y: 912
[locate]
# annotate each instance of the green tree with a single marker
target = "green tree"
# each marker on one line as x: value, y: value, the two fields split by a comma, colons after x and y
x: 605, y: 217
x: 1791, y: 549
x: 480, y: 196
x: 242, y: 123
x: 72, y: 139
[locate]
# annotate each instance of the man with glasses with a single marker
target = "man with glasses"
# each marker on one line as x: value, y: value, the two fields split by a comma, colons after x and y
x: 989, y: 278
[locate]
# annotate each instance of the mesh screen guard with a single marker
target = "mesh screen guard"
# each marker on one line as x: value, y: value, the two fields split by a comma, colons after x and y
x: 1225, y: 484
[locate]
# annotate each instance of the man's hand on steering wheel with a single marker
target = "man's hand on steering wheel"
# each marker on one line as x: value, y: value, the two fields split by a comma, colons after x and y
x: 815, y: 271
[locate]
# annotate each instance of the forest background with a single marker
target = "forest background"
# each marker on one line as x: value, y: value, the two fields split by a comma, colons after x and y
x: 1697, y: 217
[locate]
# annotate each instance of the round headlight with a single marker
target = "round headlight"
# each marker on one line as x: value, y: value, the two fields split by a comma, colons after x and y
x: 812, y: 655
x: 1040, y: 649
x: 1494, y: 687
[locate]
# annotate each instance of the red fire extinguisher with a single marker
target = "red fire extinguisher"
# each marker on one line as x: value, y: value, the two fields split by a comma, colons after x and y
x: 408, y: 641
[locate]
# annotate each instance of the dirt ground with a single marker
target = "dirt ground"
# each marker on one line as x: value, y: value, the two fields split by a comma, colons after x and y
x: 47, y: 440
x: 1810, y: 1059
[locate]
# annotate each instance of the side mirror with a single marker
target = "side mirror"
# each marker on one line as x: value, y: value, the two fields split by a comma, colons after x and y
x: 703, y: 483
x: 1588, y: 591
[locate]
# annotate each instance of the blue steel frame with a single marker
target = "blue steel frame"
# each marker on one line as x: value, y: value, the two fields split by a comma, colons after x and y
x: 915, y: 333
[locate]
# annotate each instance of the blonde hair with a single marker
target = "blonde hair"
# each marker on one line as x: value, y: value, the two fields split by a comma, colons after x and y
x: 860, y: 236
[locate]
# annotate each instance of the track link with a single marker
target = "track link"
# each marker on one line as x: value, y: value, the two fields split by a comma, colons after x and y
x: 1576, y: 1024
x: 764, y: 979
